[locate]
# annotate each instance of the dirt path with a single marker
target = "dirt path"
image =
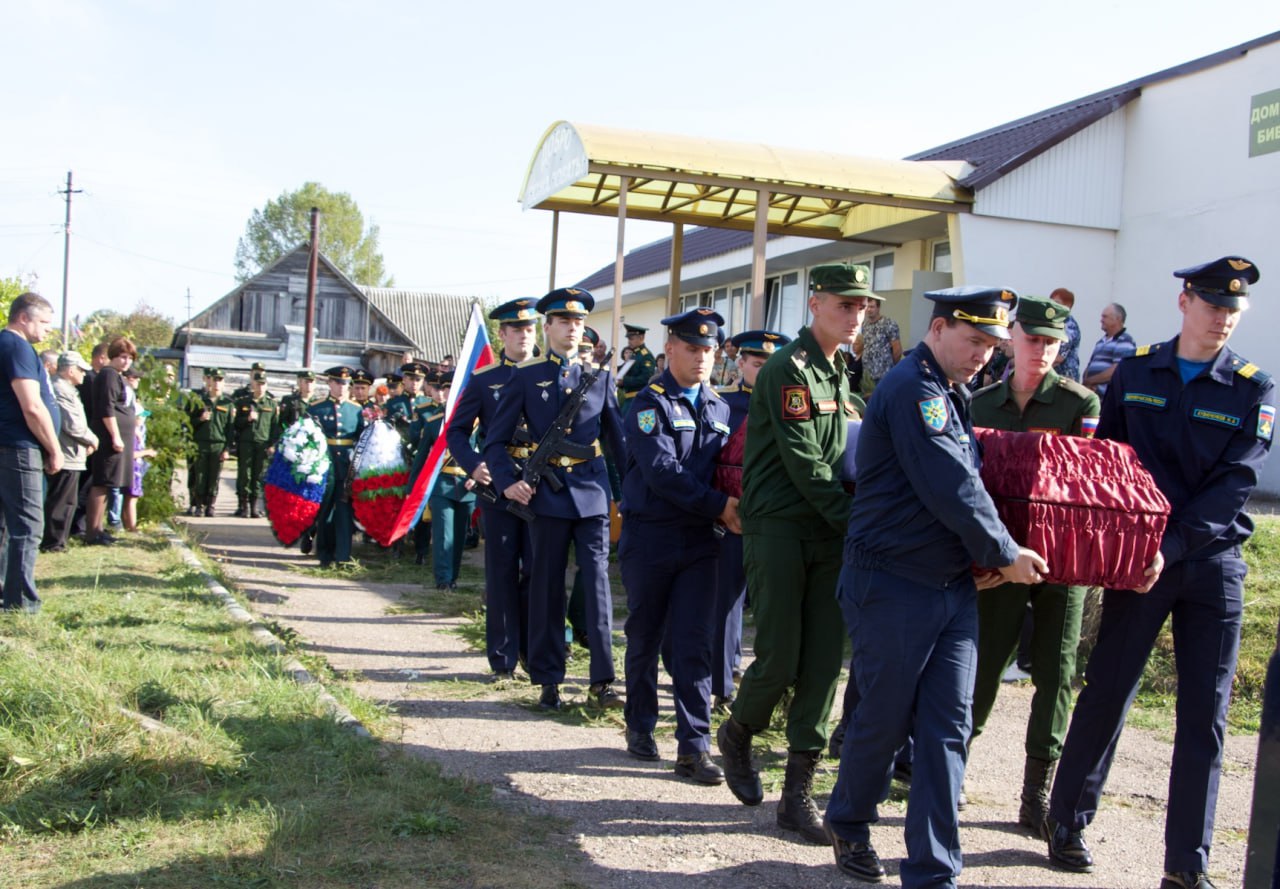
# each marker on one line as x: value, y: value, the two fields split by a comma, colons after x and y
x: 632, y: 824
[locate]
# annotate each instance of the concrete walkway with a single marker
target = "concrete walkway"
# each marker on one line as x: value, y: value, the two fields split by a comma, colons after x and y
x: 632, y: 824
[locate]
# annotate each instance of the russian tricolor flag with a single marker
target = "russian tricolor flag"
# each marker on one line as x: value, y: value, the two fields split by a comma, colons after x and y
x: 475, y: 354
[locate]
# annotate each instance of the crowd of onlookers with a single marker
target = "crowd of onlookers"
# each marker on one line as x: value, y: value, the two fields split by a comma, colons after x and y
x: 72, y: 446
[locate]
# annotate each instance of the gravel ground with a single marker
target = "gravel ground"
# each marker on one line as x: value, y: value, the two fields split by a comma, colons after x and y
x: 632, y: 824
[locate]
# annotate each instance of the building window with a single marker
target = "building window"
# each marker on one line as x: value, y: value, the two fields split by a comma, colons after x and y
x: 942, y: 256
x: 786, y: 307
x: 882, y: 272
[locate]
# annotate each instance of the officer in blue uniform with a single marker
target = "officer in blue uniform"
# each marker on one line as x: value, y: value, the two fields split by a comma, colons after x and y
x: 668, y: 550
x: 507, y: 549
x: 451, y: 499
x: 1200, y: 418
x: 578, y: 512
x: 342, y: 422
x: 754, y: 348
x: 920, y: 520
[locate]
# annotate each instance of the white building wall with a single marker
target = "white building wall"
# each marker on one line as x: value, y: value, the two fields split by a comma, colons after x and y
x: 1191, y: 194
x: 1076, y: 182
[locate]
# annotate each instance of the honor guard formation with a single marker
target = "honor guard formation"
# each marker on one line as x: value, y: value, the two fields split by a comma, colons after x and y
x: 834, y: 519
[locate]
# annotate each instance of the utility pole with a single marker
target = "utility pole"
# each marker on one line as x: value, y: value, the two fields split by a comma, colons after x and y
x: 66, y: 261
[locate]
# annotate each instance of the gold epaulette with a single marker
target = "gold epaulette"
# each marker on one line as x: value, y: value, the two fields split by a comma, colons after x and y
x: 656, y: 388
x: 1147, y: 350
x: 530, y: 362
x: 1249, y: 370
x: 486, y: 368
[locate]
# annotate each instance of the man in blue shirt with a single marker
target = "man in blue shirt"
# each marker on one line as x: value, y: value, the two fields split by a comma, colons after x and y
x: 1116, y: 344
x: 920, y: 521
x: 28, y: 445
x: 1201, y: 419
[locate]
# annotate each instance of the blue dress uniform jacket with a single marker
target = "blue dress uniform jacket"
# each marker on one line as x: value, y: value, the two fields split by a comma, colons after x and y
x: 672, y: 448
x: 921, y: 517
x: 342, y: 423
x: 668, y: 552
x: 917, y: 429
x: 506, y: 549
x: 577, y: 513
x: 1204, y: 442
x: 536, y: 391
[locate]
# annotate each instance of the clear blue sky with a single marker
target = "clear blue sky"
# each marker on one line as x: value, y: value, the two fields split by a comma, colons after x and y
x: 180, y: 119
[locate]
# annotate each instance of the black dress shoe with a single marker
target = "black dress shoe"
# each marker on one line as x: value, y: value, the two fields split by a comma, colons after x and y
x: 604, y: 696
x: 308, y: 540
x: 641, y: 745
x: 1067, y: 848
x: 208, y: 511
x: 550, y: 699
x: 193, y: 510
x: 699, y: 767
x: 1186, y: 880
x: 504, y: 675
x: 419, y: 559
x: 858, y: 860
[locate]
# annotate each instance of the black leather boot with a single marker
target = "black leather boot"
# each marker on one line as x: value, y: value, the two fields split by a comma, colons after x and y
x: 253, y: 509
x: 1037, y: 778
x: 242, y: 509
x: 796, y: 810
x: 734, y: 741
x: 1067, y: 848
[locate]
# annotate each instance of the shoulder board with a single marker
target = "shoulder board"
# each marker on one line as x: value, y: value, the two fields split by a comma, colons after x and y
x: 1249, y: 370
x: 532, y: 361
x: 1075, y: 388
x: 430, y: 417
x: 486, y: 368
x: 656, y: 388
x: 1147, y: 350
x: 643, y: 350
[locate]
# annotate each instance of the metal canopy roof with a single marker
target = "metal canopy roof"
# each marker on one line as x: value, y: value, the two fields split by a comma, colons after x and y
x: 578, y: 168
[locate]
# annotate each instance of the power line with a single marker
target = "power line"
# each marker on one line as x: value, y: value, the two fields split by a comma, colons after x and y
x: 178, y: 265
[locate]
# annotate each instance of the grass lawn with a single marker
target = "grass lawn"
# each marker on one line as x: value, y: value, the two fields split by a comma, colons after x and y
x: 146, y: 740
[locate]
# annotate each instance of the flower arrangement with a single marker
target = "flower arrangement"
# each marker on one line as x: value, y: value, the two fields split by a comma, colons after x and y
x: 295, y: 482
x: 379, y: 480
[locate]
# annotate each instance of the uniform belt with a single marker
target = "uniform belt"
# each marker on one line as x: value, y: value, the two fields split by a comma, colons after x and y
x: 567, y: 461
x: 340, y: 442
x: 557, y: 460
x: 454, y: 470
x: 520, y: 453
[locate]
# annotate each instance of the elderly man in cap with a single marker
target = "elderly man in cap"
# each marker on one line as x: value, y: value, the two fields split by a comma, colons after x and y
x: 1034, y: 398
x: 507, y: 549
x: 1201, y: 419
x: 794, y: 510
x: 342, y: 422
x: 572, y: 505
x: 668, y: 549
x: 211, y: 414
x: 78, y: 442
x: 921, y: 520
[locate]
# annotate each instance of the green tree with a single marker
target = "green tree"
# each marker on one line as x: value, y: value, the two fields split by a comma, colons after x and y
x: 10, y: 289
x: 285, y: 222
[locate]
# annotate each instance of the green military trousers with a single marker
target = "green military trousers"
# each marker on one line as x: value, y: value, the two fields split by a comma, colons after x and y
x: 799, y: 635
x: 251, y: 461
x: 1056, y: 611
x: 203, y: 471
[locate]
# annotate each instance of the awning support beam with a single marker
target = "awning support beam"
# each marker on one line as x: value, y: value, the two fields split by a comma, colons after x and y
x: 759, y: 236
x: 677, y: 258
x: 619, y: 255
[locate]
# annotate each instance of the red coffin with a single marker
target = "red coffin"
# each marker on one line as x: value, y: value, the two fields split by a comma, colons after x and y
x: 1088, y: 506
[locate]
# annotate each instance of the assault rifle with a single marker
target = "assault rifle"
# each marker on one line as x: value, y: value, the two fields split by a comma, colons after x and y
x: 553, y: 445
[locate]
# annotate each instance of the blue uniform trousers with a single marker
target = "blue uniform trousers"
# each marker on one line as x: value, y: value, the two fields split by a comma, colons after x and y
x: 670, y: 578
x: 336, y: 520
x: 506, y: 588
x: 731, y: 591
x: 914, y: 653
x: 1205, y: 598
x: 449, y: 522
x: 551, y: 536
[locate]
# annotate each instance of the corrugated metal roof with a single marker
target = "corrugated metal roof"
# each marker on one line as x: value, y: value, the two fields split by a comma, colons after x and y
x: 699, y: 243
x: 1000, y: 150
x: 435, y: 321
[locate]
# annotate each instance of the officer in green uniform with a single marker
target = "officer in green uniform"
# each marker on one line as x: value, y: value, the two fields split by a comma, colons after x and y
x: 643, y: 367
x: 295, y: 404
x: 451, y: 501
x: 342, y: 422
x: 257, y: 426
x: 210, y: 412
x: 256, y: 368
x: 425, y: 412
x: 794, y: 513
x: 1034, y: 398
x: 400, y: 408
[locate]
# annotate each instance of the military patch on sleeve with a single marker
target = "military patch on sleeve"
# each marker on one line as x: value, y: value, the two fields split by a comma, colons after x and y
x: 795, y: 402
x: 1088, y: 426
x: 647, y: 421
x: 934, y: 413
x: 1266, y: 421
